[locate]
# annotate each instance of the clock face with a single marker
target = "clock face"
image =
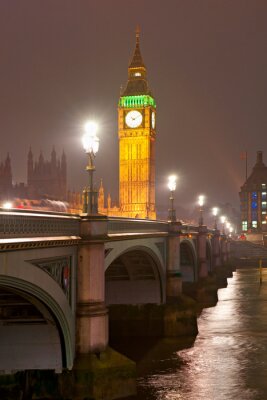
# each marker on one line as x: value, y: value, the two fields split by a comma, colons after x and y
x: 153, y: 120
x: 133, y: 119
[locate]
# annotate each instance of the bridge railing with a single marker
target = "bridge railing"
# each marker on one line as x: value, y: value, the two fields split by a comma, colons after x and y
x: 117, y: 225
x: 26, y: 223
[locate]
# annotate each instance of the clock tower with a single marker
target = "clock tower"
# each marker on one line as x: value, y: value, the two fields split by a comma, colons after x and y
x: 137, y: 134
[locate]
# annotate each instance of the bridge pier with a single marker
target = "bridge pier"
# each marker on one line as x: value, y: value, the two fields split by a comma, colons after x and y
x: 224, y: 257
x: 99, y: 371
x: 216, y: 249
x: 92, y: 314
x: 173, y: 273
x: 202, y: 251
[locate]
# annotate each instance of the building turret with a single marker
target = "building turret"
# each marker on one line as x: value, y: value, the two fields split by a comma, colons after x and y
x: 101, y: 198
x: 30, y: 167
x: 53, y: 158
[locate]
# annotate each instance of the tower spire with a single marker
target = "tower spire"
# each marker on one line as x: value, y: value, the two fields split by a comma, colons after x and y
x: 137, y: 80
x: 137, y: 33
x: 137, y: 60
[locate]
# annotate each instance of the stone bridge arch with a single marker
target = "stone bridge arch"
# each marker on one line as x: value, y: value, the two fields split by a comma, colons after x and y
x: 135, y: 274
x: 188, y: 260
x: 38, y: 313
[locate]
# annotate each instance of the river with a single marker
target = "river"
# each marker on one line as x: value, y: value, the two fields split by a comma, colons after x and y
x: 226, y: 361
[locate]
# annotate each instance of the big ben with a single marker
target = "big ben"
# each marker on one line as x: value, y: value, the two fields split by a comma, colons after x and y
x: 137, y: 134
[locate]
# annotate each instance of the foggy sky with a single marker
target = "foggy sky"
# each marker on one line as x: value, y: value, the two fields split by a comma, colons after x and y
x: 63, y: 61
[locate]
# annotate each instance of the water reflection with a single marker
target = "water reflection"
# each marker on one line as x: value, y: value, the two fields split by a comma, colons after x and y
x: 228, y: 358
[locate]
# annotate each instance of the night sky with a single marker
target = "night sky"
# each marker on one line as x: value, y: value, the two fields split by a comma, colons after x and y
x: 64, y: 61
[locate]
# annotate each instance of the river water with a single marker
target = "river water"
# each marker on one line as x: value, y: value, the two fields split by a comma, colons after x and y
x: 226, y: 361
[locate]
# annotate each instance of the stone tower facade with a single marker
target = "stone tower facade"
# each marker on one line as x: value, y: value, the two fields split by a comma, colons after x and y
x: 137, y: 134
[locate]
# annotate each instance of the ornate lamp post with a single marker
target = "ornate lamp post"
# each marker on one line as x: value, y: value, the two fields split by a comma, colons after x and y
x: 215, y: 213
x: 223, y: 219
x: 172, y: 187
x: 91, y: 145
x: 201, y: 203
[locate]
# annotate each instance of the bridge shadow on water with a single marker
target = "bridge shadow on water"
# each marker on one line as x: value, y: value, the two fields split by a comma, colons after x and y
x: 152, y: 356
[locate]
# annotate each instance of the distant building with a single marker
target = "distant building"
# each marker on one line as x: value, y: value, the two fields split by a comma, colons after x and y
x: 253, y: 199
x: 45, y: 179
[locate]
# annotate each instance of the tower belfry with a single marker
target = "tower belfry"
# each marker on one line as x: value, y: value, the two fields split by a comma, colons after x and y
x: 137, y: 134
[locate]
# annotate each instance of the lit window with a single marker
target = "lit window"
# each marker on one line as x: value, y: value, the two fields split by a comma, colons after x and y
x: 254, y: 204
x: 263, y: 185
x: 137, y: 74
x: 263, y: 222
x: 244, y: 225
x: 254, y: 195
x: 263, y: 204
x: 254, y: 224
x: 263, y: 212
x: 263, y: 195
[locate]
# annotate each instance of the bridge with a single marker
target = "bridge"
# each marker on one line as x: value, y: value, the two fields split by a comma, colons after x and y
x: 60, y: 272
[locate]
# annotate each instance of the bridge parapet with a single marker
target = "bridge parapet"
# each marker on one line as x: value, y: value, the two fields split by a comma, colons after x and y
x: 25, y: 224
x: 119, y: 226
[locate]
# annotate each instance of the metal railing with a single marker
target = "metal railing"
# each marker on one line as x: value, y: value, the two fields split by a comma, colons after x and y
x: 26, y: 223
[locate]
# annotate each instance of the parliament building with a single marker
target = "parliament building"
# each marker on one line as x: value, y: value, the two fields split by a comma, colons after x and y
x: 46, y: 179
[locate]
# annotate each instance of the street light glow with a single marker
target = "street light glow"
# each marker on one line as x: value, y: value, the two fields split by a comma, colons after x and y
x: 91, y: 127
x: 172, y: 183
x: 89, y: 140
x: 223, y: 219
x: 201, y: 200
x: 215, y: 211
x: 7, y: 205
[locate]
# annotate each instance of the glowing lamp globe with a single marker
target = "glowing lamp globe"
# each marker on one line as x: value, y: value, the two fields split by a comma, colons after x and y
x: 89, y: 140
x: 7, y: 205
x: 172, y: 183
x: 215, y: 211
x: 223, y: 219
x: 201, y: 200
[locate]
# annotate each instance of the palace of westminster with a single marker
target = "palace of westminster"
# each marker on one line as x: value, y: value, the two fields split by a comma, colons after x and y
x: 137, y: 134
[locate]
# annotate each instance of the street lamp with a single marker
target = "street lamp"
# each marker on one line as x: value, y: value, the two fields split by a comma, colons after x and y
x: 7, y: 205
x: 201, y: 203
x: 91, y: 145
x: 223, y: 219
x: 215, y: 213
x: 172, y: 187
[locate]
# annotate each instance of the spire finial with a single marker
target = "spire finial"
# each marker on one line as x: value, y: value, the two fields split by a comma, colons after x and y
x: 137, y: 33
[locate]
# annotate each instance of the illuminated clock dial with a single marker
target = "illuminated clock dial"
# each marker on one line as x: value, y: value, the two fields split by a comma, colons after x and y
x: 133, y: 119
x: 153, y: 120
